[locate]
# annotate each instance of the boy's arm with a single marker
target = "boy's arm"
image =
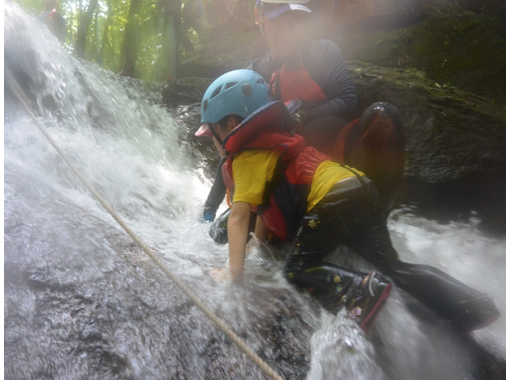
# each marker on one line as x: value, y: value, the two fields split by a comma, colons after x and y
x: 238, y: 223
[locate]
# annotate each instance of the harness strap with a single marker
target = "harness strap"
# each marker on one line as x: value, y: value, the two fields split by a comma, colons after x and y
x: 209, y: 125
x: 278, y: 175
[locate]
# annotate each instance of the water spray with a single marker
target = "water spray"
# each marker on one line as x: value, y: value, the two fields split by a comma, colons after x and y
x: 21, y: 96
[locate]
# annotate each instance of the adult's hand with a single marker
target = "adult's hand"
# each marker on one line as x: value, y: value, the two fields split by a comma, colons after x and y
x: 208, y: 216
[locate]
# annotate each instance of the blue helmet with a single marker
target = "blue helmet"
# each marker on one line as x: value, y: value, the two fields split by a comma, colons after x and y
x: 239, y: 92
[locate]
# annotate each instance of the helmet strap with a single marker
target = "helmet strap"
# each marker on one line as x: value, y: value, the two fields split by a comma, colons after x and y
x: 214, y: 133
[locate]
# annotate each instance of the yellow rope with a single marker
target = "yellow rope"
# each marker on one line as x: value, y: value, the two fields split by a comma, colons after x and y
x: 18, y: 91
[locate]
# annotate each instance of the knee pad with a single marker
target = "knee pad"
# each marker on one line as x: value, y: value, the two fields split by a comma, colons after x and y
x: 383, y: 119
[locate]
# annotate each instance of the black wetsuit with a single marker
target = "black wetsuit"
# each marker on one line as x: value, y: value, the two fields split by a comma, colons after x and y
x: 351, y: 214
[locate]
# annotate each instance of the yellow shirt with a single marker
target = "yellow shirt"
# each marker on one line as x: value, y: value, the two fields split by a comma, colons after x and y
x: 253, y: 169
x: 327, y: 174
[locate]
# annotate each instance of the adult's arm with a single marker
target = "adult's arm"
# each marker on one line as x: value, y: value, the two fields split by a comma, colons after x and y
x: 327, y: 67
x: 217, y: 193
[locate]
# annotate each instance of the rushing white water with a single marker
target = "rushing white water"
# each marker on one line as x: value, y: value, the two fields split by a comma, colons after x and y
x: 129, y: 148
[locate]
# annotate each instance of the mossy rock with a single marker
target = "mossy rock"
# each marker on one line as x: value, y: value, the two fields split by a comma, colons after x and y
x: 463, y: 49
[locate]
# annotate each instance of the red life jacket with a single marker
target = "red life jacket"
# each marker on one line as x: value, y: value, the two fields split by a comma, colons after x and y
x: 288, y: 85
x: 294, y: 82
x: 286, y: 195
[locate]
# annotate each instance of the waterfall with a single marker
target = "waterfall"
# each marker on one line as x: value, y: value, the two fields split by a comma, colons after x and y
x: 81, y: 300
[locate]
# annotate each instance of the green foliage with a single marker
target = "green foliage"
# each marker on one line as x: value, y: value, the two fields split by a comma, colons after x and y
x: 453, y: 45
x: 106, y: 33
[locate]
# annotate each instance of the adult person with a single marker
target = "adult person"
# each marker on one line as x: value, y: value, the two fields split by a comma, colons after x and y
x: 53, y: 20
x: 329, y: 92
x: 315, y: 72
x: 299, y: 194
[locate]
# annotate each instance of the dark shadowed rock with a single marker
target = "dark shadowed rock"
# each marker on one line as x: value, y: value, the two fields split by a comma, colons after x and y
x: 450, y: 134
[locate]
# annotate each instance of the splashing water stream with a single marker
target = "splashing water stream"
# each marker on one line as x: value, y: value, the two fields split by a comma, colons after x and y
x: 83, y: 301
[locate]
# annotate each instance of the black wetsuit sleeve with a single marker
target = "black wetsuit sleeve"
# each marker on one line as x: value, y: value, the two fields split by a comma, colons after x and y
x: 327, y: 67
x: 218, y: 190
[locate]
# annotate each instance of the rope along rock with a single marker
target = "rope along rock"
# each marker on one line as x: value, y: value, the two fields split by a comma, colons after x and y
x: 20, y: 95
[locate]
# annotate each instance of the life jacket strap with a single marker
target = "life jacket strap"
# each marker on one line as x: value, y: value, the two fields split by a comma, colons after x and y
x: 278, y: 176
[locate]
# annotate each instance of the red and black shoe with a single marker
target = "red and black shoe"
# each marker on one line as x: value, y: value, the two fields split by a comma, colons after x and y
x: 368, y: 300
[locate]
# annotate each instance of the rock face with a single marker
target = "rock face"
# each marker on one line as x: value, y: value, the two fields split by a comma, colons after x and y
x: 455, y: 143
x: 450, y: 134
x: 459, y: 43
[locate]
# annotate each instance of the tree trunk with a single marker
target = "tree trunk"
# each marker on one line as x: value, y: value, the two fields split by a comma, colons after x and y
x: 96, y: 38
x: 81, y: 35
x: 105, y: 35
x: 169, y: 49
x: 171, y: 13
x: 129, y: 49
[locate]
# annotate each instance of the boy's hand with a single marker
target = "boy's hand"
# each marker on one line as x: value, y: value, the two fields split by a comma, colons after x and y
x: 220, y: 274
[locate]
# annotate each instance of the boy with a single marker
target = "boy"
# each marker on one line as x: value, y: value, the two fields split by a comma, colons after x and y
x: 298, y: 193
